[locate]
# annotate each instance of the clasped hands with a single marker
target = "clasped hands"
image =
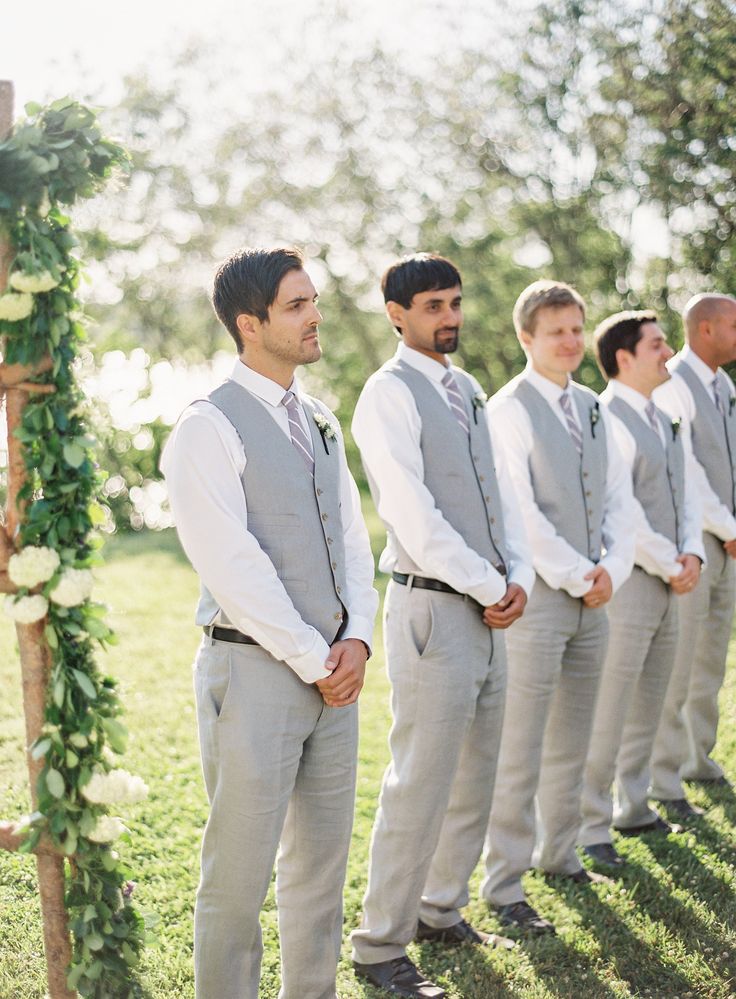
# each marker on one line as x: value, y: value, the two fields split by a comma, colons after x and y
x: 347, y: 661
x: 508, y: 609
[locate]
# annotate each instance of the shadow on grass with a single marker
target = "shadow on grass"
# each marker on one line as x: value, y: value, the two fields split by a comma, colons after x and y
x: 635, y: 960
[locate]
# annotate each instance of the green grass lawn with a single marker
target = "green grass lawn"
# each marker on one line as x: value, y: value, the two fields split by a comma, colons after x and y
x: 666, y: 929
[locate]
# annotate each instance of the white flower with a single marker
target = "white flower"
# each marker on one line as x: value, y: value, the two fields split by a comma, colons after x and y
x: 479, y: 399
x: 108, y: 828
x: 73, y: 588
x: 26, y: 610
x: 14, y: 306
x: 33, y: 565
x: 324, y: 426
x: 114, y: 787
x: 41, y: 281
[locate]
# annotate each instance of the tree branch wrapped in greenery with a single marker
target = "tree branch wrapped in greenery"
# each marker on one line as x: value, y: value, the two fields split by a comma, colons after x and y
x: 55, y: 157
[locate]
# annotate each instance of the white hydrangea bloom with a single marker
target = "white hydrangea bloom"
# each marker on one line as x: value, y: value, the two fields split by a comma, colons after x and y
x: 107, y: 829
x: 115, y: 787
x: 73, y: 588
x: 15, y: 306
x: 42, y: 281
x: 33, y: 565
x: 26, y: 610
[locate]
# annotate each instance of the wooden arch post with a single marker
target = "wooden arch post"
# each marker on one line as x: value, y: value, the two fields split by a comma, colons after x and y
x: 34, y: 652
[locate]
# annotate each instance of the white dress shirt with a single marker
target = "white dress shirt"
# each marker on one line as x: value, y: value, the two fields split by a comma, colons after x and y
x: 203, y: 463
x: 560, y: 565
x: 654, y: 552
x: 387, y: 429
x: 676, y: 399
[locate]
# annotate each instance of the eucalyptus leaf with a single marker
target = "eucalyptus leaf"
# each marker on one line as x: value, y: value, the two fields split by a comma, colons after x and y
x: 55, y: 783
x: 74, y: 454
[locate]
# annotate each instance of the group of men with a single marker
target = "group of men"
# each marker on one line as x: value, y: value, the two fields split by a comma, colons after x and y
x: 540, y: 546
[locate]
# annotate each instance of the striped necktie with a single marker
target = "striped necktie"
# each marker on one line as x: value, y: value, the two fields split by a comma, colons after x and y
x: 651, y: 410
x: 299, y: 438
x: 717, y: 396
x: 456, y: 400
x: 572, y: 423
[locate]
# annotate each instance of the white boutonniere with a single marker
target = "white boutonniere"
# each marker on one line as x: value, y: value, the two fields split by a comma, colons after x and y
x: 327, y: 431
x: 676, y: 424
x: 595, y: 415
x: 479, y: 402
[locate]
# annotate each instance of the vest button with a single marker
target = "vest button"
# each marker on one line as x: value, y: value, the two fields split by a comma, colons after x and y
x: 476, y: 458
x: 324, y: 516
x: 329, y: 541
x: 487, y: 499
x: 482, y: 478
x: 337, y: 590
x: 493, y: 520
x: 590, y: 513
x: 585, y: 475
x: 588, y: 492
x: 338, y: 617
x: 319, y: 492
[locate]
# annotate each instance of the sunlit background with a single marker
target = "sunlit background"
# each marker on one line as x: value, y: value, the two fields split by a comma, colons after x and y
x: 588, y: 141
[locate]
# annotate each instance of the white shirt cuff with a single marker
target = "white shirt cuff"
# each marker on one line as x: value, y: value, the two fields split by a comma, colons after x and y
x: 310, y: 666
x: 360, y: 628
x: 523, y: 576
x: 618, y: 570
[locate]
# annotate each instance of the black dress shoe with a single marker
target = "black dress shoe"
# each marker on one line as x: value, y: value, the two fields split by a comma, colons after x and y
x: 721, y: 781
x: 461, y: 933
x: 659, y: 825
x: 523, y: 917
x: 604, y: 854
x: 681, y: 808
x: 399, y: 977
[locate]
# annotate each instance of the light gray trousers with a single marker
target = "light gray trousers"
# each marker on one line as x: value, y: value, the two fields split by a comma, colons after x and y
x: 555, y: 655
x: 448, y: 674
x: 689, y: 725
x: 279, y: 767
x: 642, y: 642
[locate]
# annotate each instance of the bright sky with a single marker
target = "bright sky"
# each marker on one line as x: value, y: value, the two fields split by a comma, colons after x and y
x: 84, y: 47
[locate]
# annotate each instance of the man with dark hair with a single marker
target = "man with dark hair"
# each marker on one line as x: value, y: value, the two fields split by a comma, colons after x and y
x: 703, y: 397
x: 575, y: 497
x: 632, y: 353
x: 269, y: 516
x: 461, y: 574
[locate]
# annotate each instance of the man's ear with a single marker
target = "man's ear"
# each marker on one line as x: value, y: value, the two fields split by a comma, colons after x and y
x: 624, y: 359
x: 247, y: 327
x: 525, y: 339
x: 395, y: 313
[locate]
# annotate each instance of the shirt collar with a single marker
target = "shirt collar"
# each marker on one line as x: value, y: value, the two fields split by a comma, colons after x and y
x: 265, y: 388
x: 636, y: 400
x: 698, y: 365
x: 548, y: 389
x: 434, y: 370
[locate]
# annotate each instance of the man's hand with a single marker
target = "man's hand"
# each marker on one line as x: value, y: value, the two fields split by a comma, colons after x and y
x: 347, y: 661
x: 602, y: 589
x: 508, y: 609
x: 687, y: 580
x: 730, y: 547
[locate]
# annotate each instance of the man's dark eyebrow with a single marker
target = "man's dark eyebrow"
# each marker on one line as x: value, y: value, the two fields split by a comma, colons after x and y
x: 302, y: 298
x: 433, y: 301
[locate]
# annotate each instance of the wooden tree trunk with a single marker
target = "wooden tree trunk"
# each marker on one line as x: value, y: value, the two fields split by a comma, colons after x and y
x: 35, y: 663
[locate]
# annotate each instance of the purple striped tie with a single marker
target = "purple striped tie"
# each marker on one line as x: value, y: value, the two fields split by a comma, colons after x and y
x: 572, y: 426
x: 651, y: 410
x: 299, y: 438
x: 456, y: 401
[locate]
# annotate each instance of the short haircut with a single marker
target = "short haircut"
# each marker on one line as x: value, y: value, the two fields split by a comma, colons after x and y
x: 621, y: 331
x: 543, y: 295
x: 248, y: 282
x: 417, y: 273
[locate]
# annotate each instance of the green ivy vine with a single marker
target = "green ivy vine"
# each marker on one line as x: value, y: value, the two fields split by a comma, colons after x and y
x: 56, y: 156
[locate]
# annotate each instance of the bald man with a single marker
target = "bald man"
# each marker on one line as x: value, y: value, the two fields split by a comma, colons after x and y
x: 703, y: 397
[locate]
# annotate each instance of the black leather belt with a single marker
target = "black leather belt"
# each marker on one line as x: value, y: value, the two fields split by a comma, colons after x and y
x: 228, y: 635
x: 422, y: 583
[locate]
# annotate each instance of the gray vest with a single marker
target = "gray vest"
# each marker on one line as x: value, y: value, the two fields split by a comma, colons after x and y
x: 569, y: 489
x: 714, y: 435
x: 658, y: 473
x: 458, y: 468
x: 296, y: 520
